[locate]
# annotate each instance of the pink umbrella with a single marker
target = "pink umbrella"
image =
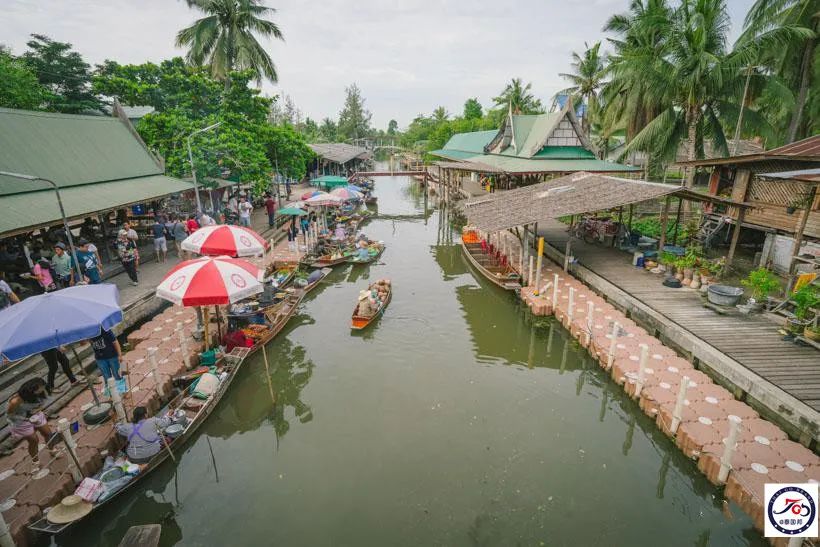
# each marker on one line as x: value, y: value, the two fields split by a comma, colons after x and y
x: 346, y: 194
x: 313, y: 193
x: 324, y: 200
x: 225, y: 240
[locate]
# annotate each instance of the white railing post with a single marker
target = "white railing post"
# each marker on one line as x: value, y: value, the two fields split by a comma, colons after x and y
x: 183, y: 345
x: 679, y: 402
x: 729, y: 444
x: 152, y: 357
x: 590, y: 320
x: 610, y: 357
x: 571, y: 305
x: 554, y: 291
x: 641, y: 369
x: 5, y: 536
x: 71, y: 446
x: 116, y: 399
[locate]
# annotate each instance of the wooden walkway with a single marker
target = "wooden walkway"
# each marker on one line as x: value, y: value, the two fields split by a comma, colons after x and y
x: 752, y: 341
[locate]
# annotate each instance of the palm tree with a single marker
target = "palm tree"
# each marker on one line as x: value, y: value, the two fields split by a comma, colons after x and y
x: 225, y: 39
x: 440, y: 114
x: 517, y: 97
x: 795, y: 62
x: 590, y: 70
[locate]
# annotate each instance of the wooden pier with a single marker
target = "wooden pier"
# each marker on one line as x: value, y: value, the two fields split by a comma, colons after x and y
x: 743, y: 352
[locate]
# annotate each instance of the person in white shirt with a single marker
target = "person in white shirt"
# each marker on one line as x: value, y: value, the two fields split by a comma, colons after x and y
x: 245, y: 209
x: 206, y: 220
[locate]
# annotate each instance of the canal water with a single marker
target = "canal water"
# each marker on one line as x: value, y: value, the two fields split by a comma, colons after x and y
x: 453, y: 420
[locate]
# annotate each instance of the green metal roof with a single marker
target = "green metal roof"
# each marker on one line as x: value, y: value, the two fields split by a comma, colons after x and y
x: 330, y: 180
x: 452, y: 154
x: 564, y: 152
x: 511, y: 164
x: 474, y: 141
x: 68, y: 149
x: 24, y: 212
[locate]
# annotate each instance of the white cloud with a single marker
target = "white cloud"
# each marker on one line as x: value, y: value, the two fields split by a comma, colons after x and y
x: 407, y: 56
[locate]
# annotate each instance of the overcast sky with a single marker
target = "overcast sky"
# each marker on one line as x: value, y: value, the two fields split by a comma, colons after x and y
x: 407, y: 56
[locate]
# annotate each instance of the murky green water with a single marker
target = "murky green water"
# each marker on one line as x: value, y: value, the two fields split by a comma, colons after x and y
x: 450, y: 422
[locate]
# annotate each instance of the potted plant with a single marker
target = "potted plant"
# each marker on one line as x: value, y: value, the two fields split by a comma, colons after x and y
x: 761, y: 282
x: 805, y: 300
x: 812, y: 333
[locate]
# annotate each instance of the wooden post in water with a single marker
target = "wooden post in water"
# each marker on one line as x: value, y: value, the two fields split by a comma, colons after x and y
x: 590, y: 320
x: 538, y: 266
x: 679, y: 402
x: 570, y: 307
x: 729, y: 443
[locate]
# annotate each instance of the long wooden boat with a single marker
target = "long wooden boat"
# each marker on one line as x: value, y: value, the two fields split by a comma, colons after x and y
x: 327, y: 261
x: 229, y: 364
x: 505, y: 276
x: 370, y: 259
x: 371, y: 200
x: 359, y: 322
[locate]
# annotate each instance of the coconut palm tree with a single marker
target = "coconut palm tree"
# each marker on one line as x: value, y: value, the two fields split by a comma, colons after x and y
x: 590, y: 70
x: 226, y: 38
x: 796, y: 62
x: 440, y: 114
x: 517, y: 97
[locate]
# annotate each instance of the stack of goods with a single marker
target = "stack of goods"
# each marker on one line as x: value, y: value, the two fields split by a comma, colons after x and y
x: 255, y: 332
x: 371, y: 300
x: 470, y: 235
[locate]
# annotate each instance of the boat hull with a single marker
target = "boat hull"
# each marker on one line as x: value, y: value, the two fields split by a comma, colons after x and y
x: 507, y: 281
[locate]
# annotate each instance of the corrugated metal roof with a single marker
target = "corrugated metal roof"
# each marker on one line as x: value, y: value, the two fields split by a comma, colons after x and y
x: 452, y: 154
x: 23, y: 212
x: 473, y: 141
x: 806, y: 147
x: 802, y: 175
x: 524, y: 165
x: 339, y: 152
x: 68, y: 149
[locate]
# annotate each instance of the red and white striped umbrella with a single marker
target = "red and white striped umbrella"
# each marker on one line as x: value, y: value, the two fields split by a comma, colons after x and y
x: 324, y: 200
x: 211, y: 280
x: 225, y: 240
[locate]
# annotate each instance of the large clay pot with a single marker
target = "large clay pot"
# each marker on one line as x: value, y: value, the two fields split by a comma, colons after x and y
x: 695, y: 283
x: 687, y: 277
x: 679, y: 275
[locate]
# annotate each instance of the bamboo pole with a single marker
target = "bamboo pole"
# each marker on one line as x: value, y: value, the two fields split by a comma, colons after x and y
x: 267, y: 374
x: 538, y: 266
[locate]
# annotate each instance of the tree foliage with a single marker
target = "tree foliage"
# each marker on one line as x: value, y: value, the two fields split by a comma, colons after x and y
x: 354, y: 119
x: 225, y: 39
x: 64, y: 73
x: 587, y: 79
x: 472, y: 109
x: 19, y: 87
x: 517, y: 97
x: 245, y: 147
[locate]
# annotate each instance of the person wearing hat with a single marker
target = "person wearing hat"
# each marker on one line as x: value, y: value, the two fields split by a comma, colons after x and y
x: 127, y: 251
x: 89, y: 265
x: 61, y: 263
x: 143, y: 434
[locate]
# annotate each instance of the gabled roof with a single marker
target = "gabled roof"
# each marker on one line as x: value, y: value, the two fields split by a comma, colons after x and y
x: 69, y: 150
x: 472, y: 142
x: 805, y: 150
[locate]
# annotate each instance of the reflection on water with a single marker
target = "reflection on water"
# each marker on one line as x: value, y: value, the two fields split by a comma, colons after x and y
x: 454, y: 419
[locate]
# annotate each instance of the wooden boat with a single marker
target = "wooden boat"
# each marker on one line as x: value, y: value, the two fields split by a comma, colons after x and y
x: 371, y: 200
x: 327, y: 261
x: 370, y: 259
x: 228, y: 364
x: 503, y: 275
x: 359, y: 322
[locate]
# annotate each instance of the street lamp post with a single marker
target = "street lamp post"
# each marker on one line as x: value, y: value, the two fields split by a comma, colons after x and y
x: 191, y: 160
x: 62, y: 214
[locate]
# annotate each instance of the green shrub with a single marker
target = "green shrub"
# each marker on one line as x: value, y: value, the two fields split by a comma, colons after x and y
x: 761, y: 282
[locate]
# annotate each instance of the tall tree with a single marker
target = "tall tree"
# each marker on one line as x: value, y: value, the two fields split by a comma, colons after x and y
x: 225, y: 39
x: 63, y: 73
x: 797, y: 61
x: 392, y: 127
x: 328, y: 131
x: 472, y: 109
x: 354, y: 119
x: 518, y: 97
x: 19, y: 87
x: 587, y: 79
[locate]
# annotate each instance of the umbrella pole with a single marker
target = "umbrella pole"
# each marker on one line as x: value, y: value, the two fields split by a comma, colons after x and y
x: 206, y: 321
x: 218, y: 323
x: 86, y: 376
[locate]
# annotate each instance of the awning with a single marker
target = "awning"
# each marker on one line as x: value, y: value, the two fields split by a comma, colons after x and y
x: 569, y: 195
x: 329, y: 181
x: 31, y: 210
